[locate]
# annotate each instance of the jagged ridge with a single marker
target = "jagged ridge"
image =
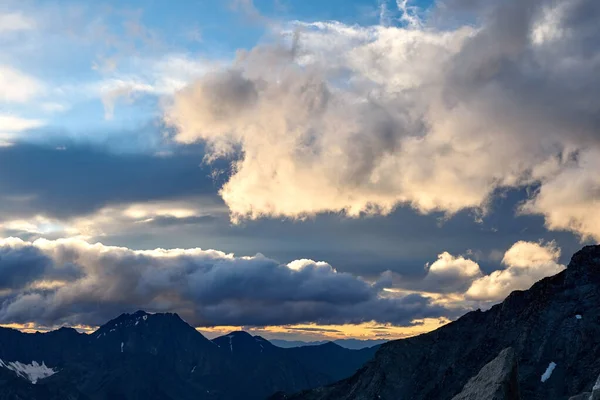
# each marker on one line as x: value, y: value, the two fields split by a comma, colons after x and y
x: 556, y: 321
x: 160, y: 356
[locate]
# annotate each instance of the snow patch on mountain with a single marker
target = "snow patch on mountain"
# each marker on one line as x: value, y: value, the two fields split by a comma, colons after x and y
x: 32, y: 372
x: 548, y: 372
x: 230, y: 342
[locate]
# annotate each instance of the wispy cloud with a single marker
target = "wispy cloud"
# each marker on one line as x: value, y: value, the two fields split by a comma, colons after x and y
x: 15, y: 21
x: 11, y: 123
x: 18, y: 87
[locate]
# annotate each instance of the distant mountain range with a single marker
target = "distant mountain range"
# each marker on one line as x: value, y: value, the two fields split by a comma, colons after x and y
x: 354, y: 344
x: 539, y: 344
x: 159, y: 356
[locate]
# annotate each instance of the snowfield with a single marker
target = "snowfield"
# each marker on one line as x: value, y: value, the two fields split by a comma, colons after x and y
x: 32, y: 372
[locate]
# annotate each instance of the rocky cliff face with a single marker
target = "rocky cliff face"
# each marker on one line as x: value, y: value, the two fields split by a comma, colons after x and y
x: 497, y: 380
x: 554, y: 329
x: 593, y: 395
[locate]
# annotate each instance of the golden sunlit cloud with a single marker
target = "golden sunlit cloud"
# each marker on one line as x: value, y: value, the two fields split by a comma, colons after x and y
x: 307, y: 332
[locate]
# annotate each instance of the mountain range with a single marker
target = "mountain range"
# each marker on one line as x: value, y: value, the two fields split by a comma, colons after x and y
x: 354, y: 344
x: 159, y: 356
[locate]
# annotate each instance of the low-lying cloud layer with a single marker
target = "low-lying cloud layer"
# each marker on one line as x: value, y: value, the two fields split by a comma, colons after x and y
x: 358, y: 120
x: 70, y: 281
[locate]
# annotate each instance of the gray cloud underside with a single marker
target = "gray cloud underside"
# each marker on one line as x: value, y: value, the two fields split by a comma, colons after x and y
x: 36, y: 179
x: 71, y: 281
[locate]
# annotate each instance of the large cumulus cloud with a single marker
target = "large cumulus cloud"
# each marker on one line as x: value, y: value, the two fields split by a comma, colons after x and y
x: 360, y: 120
x: 70, y: 281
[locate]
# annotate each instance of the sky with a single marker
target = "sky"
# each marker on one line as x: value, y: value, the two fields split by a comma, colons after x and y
x: 299, y: 169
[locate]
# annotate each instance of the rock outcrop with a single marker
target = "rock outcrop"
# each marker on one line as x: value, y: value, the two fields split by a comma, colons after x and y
x: 497, y: 380
x: 593, y: 395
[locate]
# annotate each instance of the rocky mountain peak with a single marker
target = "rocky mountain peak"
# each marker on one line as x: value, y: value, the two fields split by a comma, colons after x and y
x: 584, y: 266
x: 241, y: 334
x: 587, y: 258
x: 143, y: 318
x: 241, y: 342
x: 589, y: 255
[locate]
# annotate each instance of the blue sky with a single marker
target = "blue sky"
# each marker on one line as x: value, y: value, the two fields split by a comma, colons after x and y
x: 75, y: 49
x: 421, y: 158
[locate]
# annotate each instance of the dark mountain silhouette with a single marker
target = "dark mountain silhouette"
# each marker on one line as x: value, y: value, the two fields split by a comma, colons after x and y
x: 159, y: 356
x: 286, y: 370
x: 354, y: 344
x: 554, y: 329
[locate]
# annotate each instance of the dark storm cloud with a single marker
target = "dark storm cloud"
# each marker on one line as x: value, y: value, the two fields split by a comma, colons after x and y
x: 23, y: 265
x: 36, y: 179
x: 208, y: 288
x: 19, y: 267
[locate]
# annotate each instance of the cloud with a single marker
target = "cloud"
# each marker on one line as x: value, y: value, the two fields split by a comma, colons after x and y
x: 570, y: 199
x: 351, y: 119
x: 249, y: 10
x: 93, y: 282
x: 114, y: 89
x: 12, y: 123
x: 14, y: 22
x: 526, y: 263
x: 451, y: 274
x: 139, y: 77
x: 17, y: 87
x: 41, y: 180
x: 458, y: 282
x: 309, y: 329
x: 52, y: 107
x: 21, y: 266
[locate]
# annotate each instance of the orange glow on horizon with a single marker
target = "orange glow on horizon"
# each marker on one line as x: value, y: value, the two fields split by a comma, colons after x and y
x: 304, y: 332
x: 365, y: 331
